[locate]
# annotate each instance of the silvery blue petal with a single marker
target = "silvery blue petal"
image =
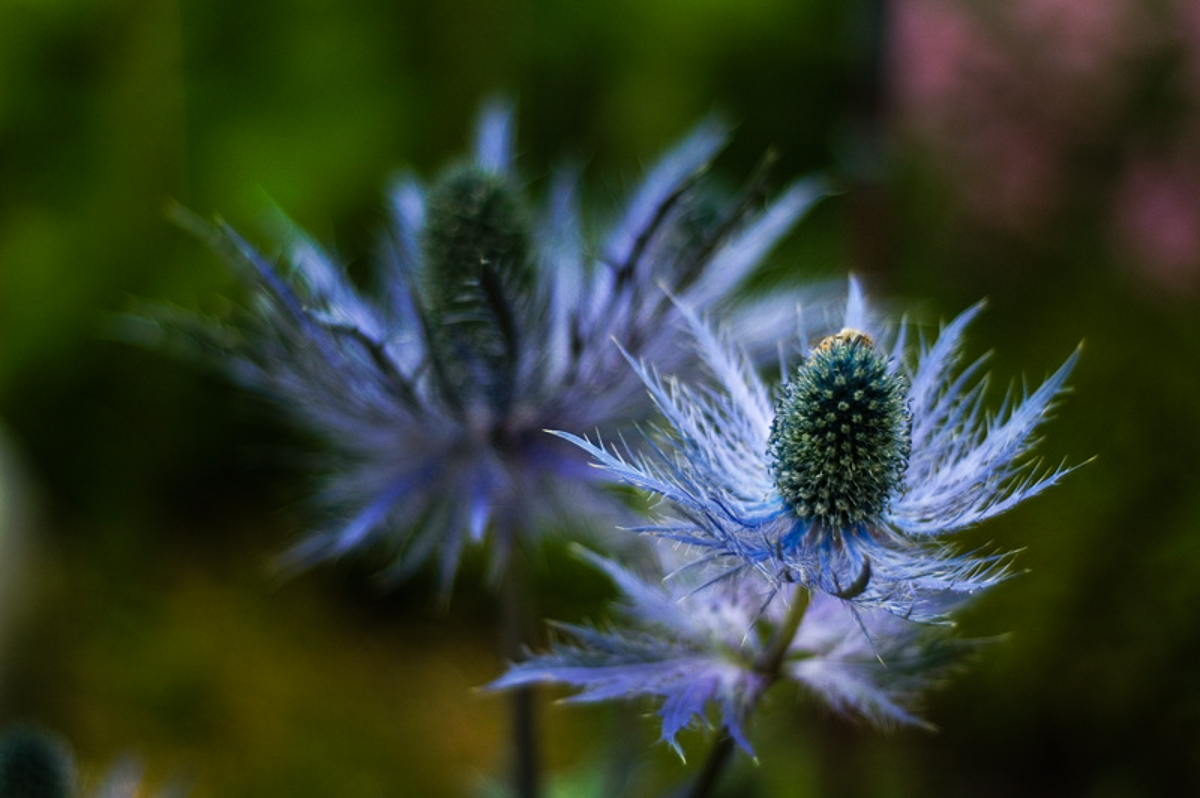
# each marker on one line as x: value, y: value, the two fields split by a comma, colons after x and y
x: 494, y: 137
x: 675, y: 168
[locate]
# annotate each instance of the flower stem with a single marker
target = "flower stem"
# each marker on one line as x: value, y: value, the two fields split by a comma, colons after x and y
x: 526, y: 779
x: 717, y: 757
x: 514, y: 601
x: 772, y: 659
x: 769, y: 665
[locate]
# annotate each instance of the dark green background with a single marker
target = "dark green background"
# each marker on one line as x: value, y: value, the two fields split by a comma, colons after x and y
x: 146, y: 619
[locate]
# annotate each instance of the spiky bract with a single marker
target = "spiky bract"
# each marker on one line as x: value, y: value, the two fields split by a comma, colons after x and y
x: 692, y: 648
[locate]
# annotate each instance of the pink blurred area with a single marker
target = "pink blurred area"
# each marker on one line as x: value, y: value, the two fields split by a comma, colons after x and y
x: 1036, y: 107
x: 1156, y: 210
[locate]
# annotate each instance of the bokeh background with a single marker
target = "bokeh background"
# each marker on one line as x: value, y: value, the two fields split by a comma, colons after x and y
x: 1042, y: 153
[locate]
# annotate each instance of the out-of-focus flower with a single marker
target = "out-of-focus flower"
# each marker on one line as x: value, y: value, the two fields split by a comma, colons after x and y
x: 490, y: 325
x: 35, y: 764
x: 1023, y: 107
x: 1157, y: 217
x: 1007, y: 96
x: 693, y: 648
x: 850, y: 481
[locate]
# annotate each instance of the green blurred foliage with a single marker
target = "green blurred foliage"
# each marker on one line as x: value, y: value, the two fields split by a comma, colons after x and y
x: 151, y: 622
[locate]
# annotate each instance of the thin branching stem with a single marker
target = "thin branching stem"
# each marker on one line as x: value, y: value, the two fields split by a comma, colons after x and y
x: 772, y: 659
x: 770, y: 665
x: 714, y: 765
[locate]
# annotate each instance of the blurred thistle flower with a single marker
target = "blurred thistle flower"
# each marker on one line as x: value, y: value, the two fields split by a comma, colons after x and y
x: 35, y: 764
x: 849, y: 481
x: 692, y: 648
x: 490, y: 325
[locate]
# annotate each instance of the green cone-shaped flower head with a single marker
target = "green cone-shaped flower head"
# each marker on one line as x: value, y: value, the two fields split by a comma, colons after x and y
x: 479, y: 276
x: 841, y: 436
x: 475, y: 220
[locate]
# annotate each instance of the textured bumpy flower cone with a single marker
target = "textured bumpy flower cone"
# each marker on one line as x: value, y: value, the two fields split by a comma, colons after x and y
x: 486, y: 324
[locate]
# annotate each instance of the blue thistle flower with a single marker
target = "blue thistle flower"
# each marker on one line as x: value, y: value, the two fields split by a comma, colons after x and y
x: 849, y: 482
x: 695, y: 648
x: 490, y: 324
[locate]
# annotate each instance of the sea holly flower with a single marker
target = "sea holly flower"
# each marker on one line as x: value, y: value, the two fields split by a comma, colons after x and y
x: 490, y: 324
x: 694, y: 649
x: 849, y: 480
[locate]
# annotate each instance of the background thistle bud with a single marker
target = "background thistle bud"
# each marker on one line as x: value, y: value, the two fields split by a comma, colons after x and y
x: 478, y: 272
x: 841, y: 436
x: 34, y: 764
x: 475, y: 219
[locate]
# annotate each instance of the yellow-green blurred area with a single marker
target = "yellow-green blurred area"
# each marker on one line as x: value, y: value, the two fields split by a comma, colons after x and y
x: 1040, y: 153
